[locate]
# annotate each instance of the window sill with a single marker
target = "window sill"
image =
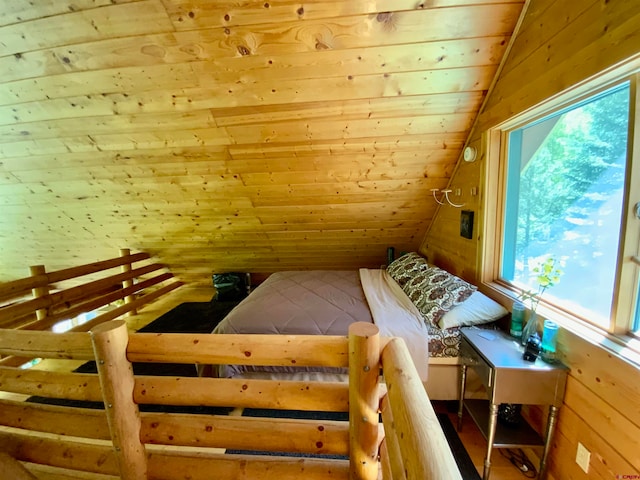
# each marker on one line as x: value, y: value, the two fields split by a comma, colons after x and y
x: 624, y: 347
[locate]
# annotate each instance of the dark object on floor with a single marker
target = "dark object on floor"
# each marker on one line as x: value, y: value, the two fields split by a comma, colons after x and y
x: 465, y: 464
x: 231, y: 286
x: 191, y: 317
x: 519, y: 460
x: 509, y: 414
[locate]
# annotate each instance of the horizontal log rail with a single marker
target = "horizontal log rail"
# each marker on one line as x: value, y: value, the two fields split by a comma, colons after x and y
x: 54, y: 301
x: 21, y: 287
x: 96, y: 303
x: 79, y: 386
x: 234, y: 432
x: 74, y: 294
x: 281, y: 350
x: 220, y: 392
x: 35, y: 344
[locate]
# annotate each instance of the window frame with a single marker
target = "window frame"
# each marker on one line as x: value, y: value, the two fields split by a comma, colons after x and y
x: 626, y: 298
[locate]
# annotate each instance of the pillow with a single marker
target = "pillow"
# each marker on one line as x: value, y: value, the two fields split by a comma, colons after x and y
x: 405, y: 268
x: 477, y: 309
x: 435, y: 291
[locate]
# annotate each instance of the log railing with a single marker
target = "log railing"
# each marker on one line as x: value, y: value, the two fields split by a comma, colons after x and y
x: 44, y: 299
x: 120, y: 441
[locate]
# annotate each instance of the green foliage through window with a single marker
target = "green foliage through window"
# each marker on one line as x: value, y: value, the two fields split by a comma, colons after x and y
x: 565, y: 190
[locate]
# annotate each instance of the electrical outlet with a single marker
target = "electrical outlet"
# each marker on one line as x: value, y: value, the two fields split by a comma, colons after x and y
x: 582, y: 457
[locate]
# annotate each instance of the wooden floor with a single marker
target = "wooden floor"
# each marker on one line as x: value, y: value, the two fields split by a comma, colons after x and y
x: 476, y: 446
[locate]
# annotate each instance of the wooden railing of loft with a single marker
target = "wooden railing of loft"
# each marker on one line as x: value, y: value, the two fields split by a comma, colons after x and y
x: 44, y: 299
x: 120, y: 441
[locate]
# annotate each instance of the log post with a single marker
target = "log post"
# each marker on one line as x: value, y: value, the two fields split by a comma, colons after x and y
x: 117, y: 383
x: 39, y: 292
x: 425, y: 451
x: 125, y: 252
x: 364, y: 370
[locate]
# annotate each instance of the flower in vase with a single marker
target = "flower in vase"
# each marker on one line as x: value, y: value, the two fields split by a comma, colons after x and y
x: 548, y: 274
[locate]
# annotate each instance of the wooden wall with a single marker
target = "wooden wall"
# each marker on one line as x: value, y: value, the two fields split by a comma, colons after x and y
x: 560, y: 44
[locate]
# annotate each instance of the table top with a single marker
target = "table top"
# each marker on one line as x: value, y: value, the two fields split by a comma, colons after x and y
x: 501, y: 350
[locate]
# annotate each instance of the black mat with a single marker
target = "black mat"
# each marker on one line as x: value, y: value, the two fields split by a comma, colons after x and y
x: 465, y: 464
x: 188, y: 317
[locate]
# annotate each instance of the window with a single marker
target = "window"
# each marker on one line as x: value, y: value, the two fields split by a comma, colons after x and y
x: 567, y: 195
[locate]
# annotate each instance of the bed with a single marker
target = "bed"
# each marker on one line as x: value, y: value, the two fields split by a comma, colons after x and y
x: 411, y: 299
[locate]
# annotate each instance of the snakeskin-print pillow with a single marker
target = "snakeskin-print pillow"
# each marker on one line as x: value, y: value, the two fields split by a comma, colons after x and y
x: 444, y: 343
x: 405, y: 268
x: 435, y: 292
x: 432, y: 290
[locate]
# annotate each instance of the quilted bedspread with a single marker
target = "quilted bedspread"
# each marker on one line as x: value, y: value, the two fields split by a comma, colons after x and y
x: 325, y: 302
x: 301, y: 303
x: 297, y: 303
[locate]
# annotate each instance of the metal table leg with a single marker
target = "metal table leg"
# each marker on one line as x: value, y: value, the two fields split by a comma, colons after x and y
x: 463, y: 383
x: 551, y: 425
x: 491, y: 434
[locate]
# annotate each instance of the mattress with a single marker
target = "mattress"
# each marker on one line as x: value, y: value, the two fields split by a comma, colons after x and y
x: 325, y: 303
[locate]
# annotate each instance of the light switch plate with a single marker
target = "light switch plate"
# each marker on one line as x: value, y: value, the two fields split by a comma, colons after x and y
x: 582, y: 457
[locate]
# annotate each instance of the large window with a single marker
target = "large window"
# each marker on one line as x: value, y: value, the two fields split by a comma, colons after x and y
x: 568, y: 196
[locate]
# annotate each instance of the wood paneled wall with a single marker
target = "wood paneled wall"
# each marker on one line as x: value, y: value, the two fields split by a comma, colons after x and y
x: 560, y: 44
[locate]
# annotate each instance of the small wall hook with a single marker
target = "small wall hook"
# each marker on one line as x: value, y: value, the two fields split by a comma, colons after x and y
x: 445, y: 197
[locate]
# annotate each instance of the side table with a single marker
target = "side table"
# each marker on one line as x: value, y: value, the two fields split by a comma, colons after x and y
x: 497, y: 359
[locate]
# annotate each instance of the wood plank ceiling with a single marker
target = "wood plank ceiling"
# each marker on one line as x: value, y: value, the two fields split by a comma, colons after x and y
x: 234, y: 135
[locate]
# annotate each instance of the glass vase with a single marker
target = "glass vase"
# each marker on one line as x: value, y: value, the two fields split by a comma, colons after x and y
x: 530, y: 328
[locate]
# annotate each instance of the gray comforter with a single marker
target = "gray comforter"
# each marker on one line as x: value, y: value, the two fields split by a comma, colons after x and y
x: 298, y: 303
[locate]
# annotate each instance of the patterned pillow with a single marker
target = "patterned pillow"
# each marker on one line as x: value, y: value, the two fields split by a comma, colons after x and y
x: 405, y: 268
x: 435, y: 291
x: 444, y: 342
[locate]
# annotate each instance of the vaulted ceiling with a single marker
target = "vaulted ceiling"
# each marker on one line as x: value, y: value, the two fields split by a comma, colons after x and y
x: 234, y: 135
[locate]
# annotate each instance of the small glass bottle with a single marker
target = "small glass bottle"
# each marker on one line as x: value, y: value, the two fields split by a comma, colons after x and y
x: 517, y: 318
x: 549, y: 340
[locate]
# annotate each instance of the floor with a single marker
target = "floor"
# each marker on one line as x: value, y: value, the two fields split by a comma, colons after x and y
x: 476, y: 446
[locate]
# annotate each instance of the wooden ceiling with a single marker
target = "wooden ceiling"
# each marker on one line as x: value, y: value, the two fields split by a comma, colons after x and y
x: 234, y: 135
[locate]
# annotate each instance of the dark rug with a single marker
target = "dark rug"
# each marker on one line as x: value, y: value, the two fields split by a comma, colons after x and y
x: 465, y: 464
x: 188, y: 317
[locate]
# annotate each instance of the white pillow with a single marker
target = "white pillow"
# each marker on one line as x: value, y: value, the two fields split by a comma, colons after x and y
x: 477, y: 309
